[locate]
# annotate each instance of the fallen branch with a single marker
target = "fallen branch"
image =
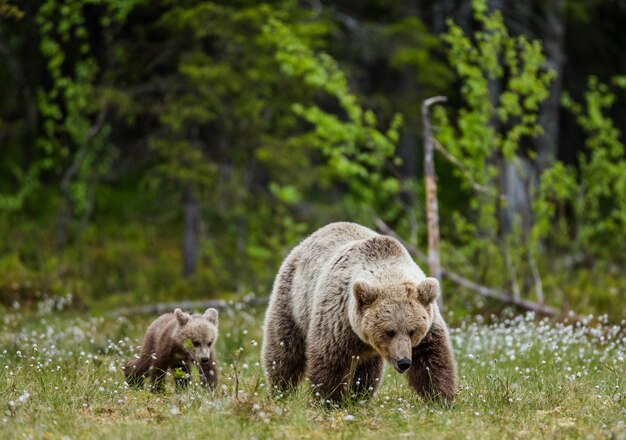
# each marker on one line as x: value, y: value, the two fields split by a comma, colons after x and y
x: 160, y: 308
x: 466, y: 173
x: 460, y: 280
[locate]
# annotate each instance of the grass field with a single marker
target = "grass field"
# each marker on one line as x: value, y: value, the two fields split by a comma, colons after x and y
x: 60, y: 377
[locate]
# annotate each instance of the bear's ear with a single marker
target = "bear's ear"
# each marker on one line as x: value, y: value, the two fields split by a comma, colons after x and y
x: 363, y: 292
x: 428, y: 290
x: 211, y: 315
x: 181, y: 317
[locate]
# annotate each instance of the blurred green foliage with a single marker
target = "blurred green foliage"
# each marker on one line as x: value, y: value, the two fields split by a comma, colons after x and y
x: 280, y: 117
x: 356, y: 150
x: 504, y: 80
x: 596, y: 187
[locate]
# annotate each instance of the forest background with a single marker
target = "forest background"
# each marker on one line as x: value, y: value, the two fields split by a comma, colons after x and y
x: 160, y: 151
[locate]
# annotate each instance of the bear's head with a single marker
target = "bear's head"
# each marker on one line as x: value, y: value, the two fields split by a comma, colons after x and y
x: 394, y: 318
x: 196, y: 334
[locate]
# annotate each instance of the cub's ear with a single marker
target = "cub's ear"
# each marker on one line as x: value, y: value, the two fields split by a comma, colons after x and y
x: 181, y: 317
x: 211, y: 315
x: 363, y: 292
x: 428, y: 290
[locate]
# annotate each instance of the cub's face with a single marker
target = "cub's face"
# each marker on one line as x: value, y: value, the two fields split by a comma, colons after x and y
x: 395, y: 318
x: 196, y: 334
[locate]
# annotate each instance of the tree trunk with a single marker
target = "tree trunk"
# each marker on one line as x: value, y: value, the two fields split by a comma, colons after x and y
x: 441, y: 11
x: 552, y: 32
x: 516, y: 177
x: 193, y: 225
x: 241, y: 243
x: 407, y: 149
x: 67, y: 205
x: 432, y: 207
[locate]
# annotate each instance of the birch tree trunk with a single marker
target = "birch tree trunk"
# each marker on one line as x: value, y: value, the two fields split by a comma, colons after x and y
x: 191, y: 234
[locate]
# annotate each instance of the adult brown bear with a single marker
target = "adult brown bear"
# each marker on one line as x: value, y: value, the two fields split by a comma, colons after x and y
x: 344, y: 300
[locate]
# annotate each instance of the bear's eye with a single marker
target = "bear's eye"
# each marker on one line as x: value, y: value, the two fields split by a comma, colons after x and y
x: 196, y: 344
x: 390, y: 333
x: 209, y: 344
x: 411, y: 334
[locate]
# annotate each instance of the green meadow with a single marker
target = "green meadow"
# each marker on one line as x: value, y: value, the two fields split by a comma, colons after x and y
x: 521, y: 377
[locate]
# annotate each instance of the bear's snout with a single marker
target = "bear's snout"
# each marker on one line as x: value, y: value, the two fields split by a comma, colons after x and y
x: 204, y: 360
x: 403, y: 365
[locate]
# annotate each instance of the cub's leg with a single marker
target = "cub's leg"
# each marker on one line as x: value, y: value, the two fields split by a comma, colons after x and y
x: 135, y: 370
x: 158, y: 370
x: 209, y: 373
x: 433, y: 372
x: 182, y: 375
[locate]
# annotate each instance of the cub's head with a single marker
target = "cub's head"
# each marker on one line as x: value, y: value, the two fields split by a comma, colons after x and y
x: 393, y: 318
x: 196, y: 333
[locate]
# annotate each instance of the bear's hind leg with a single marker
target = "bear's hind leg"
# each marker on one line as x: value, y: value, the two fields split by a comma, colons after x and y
x: 158, y: 370
x: 367, y: 377
x: 284, y: 350
x: 433, y: 372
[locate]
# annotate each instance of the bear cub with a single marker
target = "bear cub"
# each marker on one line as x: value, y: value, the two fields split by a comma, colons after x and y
x: 176, y: 340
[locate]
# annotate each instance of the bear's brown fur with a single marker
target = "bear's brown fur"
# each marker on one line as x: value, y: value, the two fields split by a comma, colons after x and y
x: 344, y: 300
x: 176, y: 340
